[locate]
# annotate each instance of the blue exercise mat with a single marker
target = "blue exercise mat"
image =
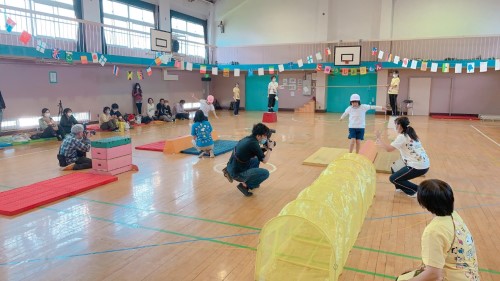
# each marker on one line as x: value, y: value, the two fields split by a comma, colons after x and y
x: 220, y: 147
x: 5, y: 144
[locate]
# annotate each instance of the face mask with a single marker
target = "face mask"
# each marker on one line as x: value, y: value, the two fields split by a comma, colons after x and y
x: 107, y: 111
x: 46, y: 114
x: 263, y: 141
x: 394, y: 75
x: 137, y: 87
x: 274, y: 80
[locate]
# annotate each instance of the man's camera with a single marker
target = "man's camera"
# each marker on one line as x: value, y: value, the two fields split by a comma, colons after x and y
x: 87, y: 133
x: 269, y: 134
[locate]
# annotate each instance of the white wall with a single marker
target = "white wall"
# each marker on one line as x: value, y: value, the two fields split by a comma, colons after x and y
x: 354, y: 19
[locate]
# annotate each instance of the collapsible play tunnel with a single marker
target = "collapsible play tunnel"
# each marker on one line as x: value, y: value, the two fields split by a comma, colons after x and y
x: 312, y: 236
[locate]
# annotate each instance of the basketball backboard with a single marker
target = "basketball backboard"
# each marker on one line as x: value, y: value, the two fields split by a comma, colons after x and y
x: 347, y: 55
x: 161, y: 41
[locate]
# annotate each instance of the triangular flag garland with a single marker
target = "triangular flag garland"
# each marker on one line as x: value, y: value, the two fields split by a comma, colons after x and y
x: 405, y: 62
x: 378, y: 67
x: 250, y: 72
x: 103, y: 60
x: 215, y: 71
x: 236, y: 72
x: 345, y: 71
x: 271, y: 70
x: 318, y: 56
x: 414, y: 64
x: 84, y: 60
x: 362, y: 70
x: 130, y: 75
x: 374, y: 51
x: 354, y: 71
x: 483, y: 66
x: 203, y: 69
x: 470, y: 67
x: 25, y: 37
x: 396, y: 59
x: 423, y: 66
x: 328, y: 52
x: 300, y: 63
x: 328, y: 69
x: 149, y: 71
x: 310, y: 59
x: 225, y: 72
x: 177, y: 64
x: 381, y: 54
x: 116, y: 70
x: 158, y: 61
x: 9, y: 24
x: 458, y: 68
x: 69, y: 57
x: 40, y: 46
x: 434, y: 67
x: 139, y: 75
x: 445, y: 68
x: 497, y: 64
x: 95, y: 58
x: 281, y: 68
x: 56, y: 54
x: 319, y: 67
x: 189, y: 66
x: 260, y: 71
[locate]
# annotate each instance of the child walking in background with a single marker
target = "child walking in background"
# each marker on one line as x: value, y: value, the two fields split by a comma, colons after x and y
x: 357, y: 116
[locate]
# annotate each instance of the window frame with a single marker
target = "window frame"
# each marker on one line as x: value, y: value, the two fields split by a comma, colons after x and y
x: 189, y: 19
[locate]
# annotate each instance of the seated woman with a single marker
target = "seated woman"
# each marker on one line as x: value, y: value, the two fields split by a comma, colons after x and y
x: 108, y: 122
x: 180, y: 112
x: 202, y: 134
x: 48, y: 126
x: 67, y: 121
x: 448, y: 250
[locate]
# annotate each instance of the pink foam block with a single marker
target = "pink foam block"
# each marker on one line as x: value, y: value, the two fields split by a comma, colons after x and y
x: 269, y: 117
x: 113, y: 172
x: 110, y: 153
x: 112, y: 164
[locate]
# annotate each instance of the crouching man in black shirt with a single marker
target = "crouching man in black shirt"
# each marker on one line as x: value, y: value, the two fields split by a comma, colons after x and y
x: 243, y: 165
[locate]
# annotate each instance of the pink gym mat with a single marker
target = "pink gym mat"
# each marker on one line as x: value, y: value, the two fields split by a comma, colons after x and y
x: 155, y: 146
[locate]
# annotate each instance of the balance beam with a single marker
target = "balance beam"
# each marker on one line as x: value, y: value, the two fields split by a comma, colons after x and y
x: 176, y: 145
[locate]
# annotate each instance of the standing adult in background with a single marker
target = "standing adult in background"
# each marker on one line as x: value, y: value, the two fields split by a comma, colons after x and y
x: 2, y: 108
x: 272, y: 94
x: 137, y: 94
x: 236, y: 98
x: 393, y: 93
x: 179, y: 111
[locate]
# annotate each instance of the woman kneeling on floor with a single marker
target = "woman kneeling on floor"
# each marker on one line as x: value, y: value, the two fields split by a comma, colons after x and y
x: 202, y: 134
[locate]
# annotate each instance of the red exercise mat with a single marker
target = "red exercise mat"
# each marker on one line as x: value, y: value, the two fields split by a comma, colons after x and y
x: 18, y: 200
x: 155, y: 146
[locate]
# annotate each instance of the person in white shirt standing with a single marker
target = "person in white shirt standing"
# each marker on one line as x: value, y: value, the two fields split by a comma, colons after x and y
x: 357, y: 116
x: 272, y: 94
x: 415, y: 159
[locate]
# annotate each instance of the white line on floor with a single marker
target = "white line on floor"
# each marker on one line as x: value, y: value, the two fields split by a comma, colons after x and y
x: 485, y: 135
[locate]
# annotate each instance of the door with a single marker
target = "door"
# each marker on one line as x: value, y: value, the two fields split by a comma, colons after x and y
x: 420, y: 93
x: 256, y: 93
x: 440, y: 95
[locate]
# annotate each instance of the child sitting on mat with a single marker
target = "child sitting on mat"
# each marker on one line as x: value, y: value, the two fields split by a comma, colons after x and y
x: 357, y: 116
x: 202, y: 134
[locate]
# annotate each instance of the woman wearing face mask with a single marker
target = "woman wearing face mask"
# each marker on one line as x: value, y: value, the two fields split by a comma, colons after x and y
x: 48, y: 126
x: 272, y: 94
x: 67, y: 121
x: 108, y: 122
x: 137, y: 94
x: 393, y: 93
x: 415, y: 159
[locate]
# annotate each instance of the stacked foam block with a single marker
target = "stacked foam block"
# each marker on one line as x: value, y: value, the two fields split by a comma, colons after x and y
x: 112, y: 155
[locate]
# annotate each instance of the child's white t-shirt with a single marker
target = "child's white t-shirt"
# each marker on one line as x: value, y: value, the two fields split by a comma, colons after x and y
x: 412, y: 152
x: 357, y: 115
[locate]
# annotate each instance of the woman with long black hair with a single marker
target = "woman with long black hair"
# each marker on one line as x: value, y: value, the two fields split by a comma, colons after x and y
x: 137, y: 94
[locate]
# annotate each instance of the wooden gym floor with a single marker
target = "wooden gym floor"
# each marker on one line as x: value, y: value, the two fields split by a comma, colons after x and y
x: 178, y: 218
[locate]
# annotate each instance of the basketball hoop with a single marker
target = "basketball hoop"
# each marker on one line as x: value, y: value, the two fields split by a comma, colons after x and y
x: 346, y: 62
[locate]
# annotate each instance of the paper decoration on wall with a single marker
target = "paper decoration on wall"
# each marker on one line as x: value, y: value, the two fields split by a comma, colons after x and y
x: 260, y: 71
x: 236, y: 72
x: 271, y: 70
x: 149, y: 71
x: 183, y: 65
x: 396, y: 59
x: 328, y: 52
x: 328, y: 69
x: 362, y: 70
x: 381, y: 54
x: 177, y: 64
x: 25, y: 37
x: 9, y: 24
x: 281, y: 68
x: 310, y: 59
x: 189, y: 66
x: 69, y: 57
x: 354, y: 71
x: 103, y: 60
x: 300, y: 63
x: 158, y: 61
x: 95, y: 58
x: 215, y: 71
x: 40, y: 46
x: 371, y: 69
x: 165, y: 59
x: 250, y: 72
x: 458, y: 68
x: 483, y: 66
x: 319, y: 67
x: 378, y: 67
x: 336, y: 71
x: 139, y: 74
x: 445, y: 68
x: 203, y: 69
x: 290, y: 64
x: 423, y: 67
x: 374, y: 51
x: 116, y: 70
x: 434, y: 67
x: 225, y: 72
x: 470, y: 67
x: 345, y: 71
x: 318, y: 56
x: 130, y: 75
x: 55, y: 54
x: 414, y: 64
x: 405, y: 62
x: 389, y: 58
x: 84, y: 60
x: 497, y: 64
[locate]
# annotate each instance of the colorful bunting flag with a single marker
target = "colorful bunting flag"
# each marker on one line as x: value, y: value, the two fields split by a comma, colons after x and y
x: 250, y: 72
x: 374, y: 51
x: 158, y: 61
x: 328, y: 52
x: 84, y: 60
x: 345, y: 71
x: 116, y: 70
x: 470, y: 67
x: 414, y: 64
x: 371, y: 69
x: 55, y: 54
x: 271, y: 70
x: 40, y: 46
x: 183, y: 65
x: 189, y: 66
x: 458, y: 68
x: 149, y: 71
x: 319, y: 67
x: 310, y: 59
x: 203, y: 69
x: 165, y: 58
x: 497, y: 64
x: 434, y: 67
x: 177, y: 64
x: 336, y: 71
x: 354, y: 71
x: 9, y: 24
x: 260, y: 71
x: 236, y: 72
x: 405, y: 62
x: 139, y: 75
x: 328, y: 69
x: 362, y: 70
x: 483, y: 66
x: 215, y: 71
x: 281, y: 68
x: 69, y: 57
x: 318, y: 56
x: 378, y: 67
x: 300, y: 63
x: 396, y: 59
x: 445, y: 68
x: 381, y: 54
x: 103, y: 60
x: 130, y: 75
x: 25, y: 37
x: 225, y: 72
x: 389, y: 58
x: 95, y: 58
x: 423, y: 67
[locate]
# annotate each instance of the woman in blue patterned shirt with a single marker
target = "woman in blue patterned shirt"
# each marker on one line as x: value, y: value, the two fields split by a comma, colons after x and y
x: 202, y: 134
